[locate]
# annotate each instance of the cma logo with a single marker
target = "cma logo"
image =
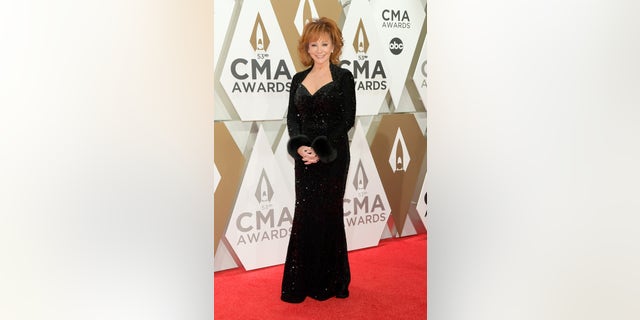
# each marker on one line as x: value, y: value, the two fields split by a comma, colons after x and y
x: 265, y: 217
x: 264, y: 191
x: 261, y: 67
x: 395, y: 15
x: 396, y: 46
x: 361, y: 68
x: 399, y: 157
x: 360, y: 180
x: 396, y: 19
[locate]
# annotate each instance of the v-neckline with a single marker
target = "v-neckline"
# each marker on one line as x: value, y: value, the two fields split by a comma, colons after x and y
x: 314, y: 93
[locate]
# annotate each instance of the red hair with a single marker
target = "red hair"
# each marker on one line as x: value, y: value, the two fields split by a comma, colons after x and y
x: 312, y: 31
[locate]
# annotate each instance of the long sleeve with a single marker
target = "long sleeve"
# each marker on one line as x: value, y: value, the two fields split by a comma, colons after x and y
x: 347, y: 106
x: 296, y: 138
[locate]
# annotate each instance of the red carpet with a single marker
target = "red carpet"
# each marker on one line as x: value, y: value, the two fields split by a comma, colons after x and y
x: 387, y: 282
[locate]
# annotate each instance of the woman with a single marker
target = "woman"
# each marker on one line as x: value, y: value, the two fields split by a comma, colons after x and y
x: 322, y: 107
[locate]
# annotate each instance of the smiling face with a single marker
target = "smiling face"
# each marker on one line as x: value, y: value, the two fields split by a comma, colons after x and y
x: 320, y: 49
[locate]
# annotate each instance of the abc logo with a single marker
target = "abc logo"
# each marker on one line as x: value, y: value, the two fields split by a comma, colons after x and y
x: 396, y: 46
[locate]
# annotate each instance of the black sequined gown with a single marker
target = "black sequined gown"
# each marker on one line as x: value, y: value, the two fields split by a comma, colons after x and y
x: 317, y: 265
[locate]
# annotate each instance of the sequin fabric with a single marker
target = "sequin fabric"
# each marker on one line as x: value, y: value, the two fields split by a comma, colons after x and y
x: 317, y: 264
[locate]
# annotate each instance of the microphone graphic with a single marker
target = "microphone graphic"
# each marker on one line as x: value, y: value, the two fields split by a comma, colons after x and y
x: 264, y: 197
x: 399, y: 157
x: 360, y: 40
x: 259, y: 38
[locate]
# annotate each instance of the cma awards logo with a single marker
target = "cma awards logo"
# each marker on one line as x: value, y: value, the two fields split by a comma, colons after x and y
x: 396, y: 19
x: 265, y: 223
x: 261, y: 73
x: 363, y: 209
x: 374, y: 76
x: 399, y: 157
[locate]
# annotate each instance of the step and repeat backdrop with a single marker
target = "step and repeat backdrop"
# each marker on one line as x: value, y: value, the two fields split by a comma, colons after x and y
x: 255, y: 58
